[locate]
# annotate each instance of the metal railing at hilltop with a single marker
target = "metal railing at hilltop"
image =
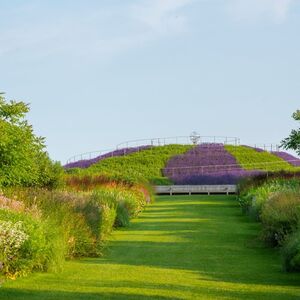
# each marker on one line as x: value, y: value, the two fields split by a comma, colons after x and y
x: 183, y: 140
x: 140, y: 143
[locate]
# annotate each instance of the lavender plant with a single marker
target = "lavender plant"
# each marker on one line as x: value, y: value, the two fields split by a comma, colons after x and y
x: 205, y: 164
x: 294, y: 161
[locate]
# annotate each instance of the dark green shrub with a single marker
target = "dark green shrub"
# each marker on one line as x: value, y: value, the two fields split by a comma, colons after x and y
x: 246, y: 203
x: 107, y: 221
x: 122, y: 214
x: 291, y: 252
x: 99, y: 211
x: 161, y: 181
x: 280, y: 216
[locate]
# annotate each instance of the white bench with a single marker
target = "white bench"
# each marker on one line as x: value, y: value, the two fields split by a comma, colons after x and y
x: 195, y: 189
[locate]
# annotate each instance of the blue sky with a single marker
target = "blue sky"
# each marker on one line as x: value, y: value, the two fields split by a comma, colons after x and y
x: 97, y: 73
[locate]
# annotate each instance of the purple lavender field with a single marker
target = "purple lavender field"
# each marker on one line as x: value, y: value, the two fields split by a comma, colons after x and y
x: 85, y: 163
x: 206, y: 164
x: 294, y: 161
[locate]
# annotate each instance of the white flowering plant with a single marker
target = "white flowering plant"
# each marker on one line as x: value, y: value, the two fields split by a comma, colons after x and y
x: 12, y: 238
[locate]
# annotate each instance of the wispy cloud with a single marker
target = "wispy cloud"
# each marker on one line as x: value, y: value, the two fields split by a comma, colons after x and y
x: 161, y: 16
x: 253, y: 10
x: 96, y: 33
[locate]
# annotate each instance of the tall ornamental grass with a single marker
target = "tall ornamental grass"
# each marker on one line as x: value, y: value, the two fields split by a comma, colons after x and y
x: 276, y: 204
x: 28, y: 244
x: 291, y: 252
x: 280, y: 217
x: 39, y: 229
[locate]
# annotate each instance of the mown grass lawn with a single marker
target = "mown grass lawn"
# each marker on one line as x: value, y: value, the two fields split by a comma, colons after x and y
x: 181, y: 247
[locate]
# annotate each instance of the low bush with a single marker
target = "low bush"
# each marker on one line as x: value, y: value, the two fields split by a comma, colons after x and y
x: 275, y: 201
x: 58, y: 208
x: 12, y: 238
x: 291, y: 252
x: 28, y: 244
x: 126, y: 203
x: 88, y: 182
x: 289, y: 178
x: 50, y: 226
x: 254, y: 193
x: 280, y: 216
x: 161, y: 181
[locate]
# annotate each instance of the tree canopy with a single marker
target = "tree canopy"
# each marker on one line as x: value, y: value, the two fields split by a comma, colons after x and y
x: 23, y: 159
x: 293, y: 140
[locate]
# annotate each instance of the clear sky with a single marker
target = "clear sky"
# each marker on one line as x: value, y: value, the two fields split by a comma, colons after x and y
x: 99, y: 72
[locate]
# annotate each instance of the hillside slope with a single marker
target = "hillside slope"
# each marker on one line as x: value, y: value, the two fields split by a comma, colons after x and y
x: 146, y: 164
x: 187, y: 164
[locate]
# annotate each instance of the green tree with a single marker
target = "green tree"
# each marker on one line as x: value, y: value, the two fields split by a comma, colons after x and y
x: 293, y: 140
x: 23, y: 159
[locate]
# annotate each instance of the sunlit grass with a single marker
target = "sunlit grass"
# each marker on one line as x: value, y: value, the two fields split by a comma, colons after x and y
x: 250, y: 159
x: 182, y: 247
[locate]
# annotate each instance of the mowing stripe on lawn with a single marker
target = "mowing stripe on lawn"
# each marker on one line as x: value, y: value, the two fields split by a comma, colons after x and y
x: 181, y: 247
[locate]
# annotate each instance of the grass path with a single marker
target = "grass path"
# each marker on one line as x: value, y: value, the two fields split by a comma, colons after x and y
x: 181, y: 247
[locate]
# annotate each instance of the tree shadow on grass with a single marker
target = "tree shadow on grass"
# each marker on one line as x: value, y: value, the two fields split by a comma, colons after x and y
x: 183, y: 293
x: 211, y: 240
x: 17, y: 294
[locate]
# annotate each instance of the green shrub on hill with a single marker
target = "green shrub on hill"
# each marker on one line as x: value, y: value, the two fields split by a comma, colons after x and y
x: 250, y: 159
x: 139, y: 166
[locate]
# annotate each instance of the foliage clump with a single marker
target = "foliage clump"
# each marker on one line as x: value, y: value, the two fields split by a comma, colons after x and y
x: 293, y: 140
x: 23, y: 159
x: 40, y: 228
x: 275, y: 202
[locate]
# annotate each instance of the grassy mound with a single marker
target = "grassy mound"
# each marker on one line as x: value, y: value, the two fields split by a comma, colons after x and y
x: 143, y: 165
x: 185, y: 164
